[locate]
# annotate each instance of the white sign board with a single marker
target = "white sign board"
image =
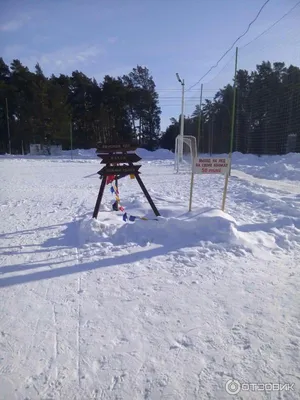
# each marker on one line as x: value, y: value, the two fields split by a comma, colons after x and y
x: 211, y: 166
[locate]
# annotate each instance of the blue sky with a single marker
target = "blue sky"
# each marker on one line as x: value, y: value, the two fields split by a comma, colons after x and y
x: 100, y: 37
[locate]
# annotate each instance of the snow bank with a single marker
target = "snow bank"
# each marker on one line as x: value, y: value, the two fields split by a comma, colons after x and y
x: 209, y: 228
x: 160, y: 154
x: 285, y: 167
x: 213, y: 225
x: 80, y: 153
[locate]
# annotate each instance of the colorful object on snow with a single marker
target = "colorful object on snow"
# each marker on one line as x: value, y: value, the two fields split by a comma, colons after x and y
x: 132, y: 218
x: 110, y: 179
x: 116, y: 206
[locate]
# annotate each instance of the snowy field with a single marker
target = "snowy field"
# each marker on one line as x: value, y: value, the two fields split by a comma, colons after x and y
x: 169, y: 309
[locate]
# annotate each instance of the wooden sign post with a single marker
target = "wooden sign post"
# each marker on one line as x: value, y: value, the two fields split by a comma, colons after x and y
x: 116, y: 154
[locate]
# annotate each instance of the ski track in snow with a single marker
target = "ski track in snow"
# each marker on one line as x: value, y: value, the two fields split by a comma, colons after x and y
x: 106, y: 310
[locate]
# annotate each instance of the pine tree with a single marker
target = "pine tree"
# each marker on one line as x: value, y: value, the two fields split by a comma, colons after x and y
x: 267, y: 113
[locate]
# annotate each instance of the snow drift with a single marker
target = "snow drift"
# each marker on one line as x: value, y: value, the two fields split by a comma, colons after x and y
x: 207, y: 228
x: 284, y: 167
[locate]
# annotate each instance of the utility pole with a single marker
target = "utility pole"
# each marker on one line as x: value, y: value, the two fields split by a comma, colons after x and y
x: 212, y: 135
x: 8, y: 130
x: 233, y: 113
x: 71, y: 139
x: 199, y: 119
x: 181, y: 81
x: 232, y: 131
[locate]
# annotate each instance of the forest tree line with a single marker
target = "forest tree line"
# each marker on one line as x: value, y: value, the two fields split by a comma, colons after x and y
x: 267, y: 114
x: 38, y: 109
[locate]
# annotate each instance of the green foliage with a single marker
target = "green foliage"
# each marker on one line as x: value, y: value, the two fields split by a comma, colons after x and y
x: 267, y: 114
x: 43, y: 110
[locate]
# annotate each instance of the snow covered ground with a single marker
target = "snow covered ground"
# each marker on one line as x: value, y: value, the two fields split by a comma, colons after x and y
x: 168, y: 309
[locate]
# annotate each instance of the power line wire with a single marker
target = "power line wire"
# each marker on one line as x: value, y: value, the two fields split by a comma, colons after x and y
x: 247, y: 30
x: 253, y: 40
x: 189, y: 100
x: 261, y: 49
x: 272, y: 26
x: 221, y: 70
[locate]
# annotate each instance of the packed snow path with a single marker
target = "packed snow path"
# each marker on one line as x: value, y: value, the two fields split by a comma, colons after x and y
x: 168, y: 309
